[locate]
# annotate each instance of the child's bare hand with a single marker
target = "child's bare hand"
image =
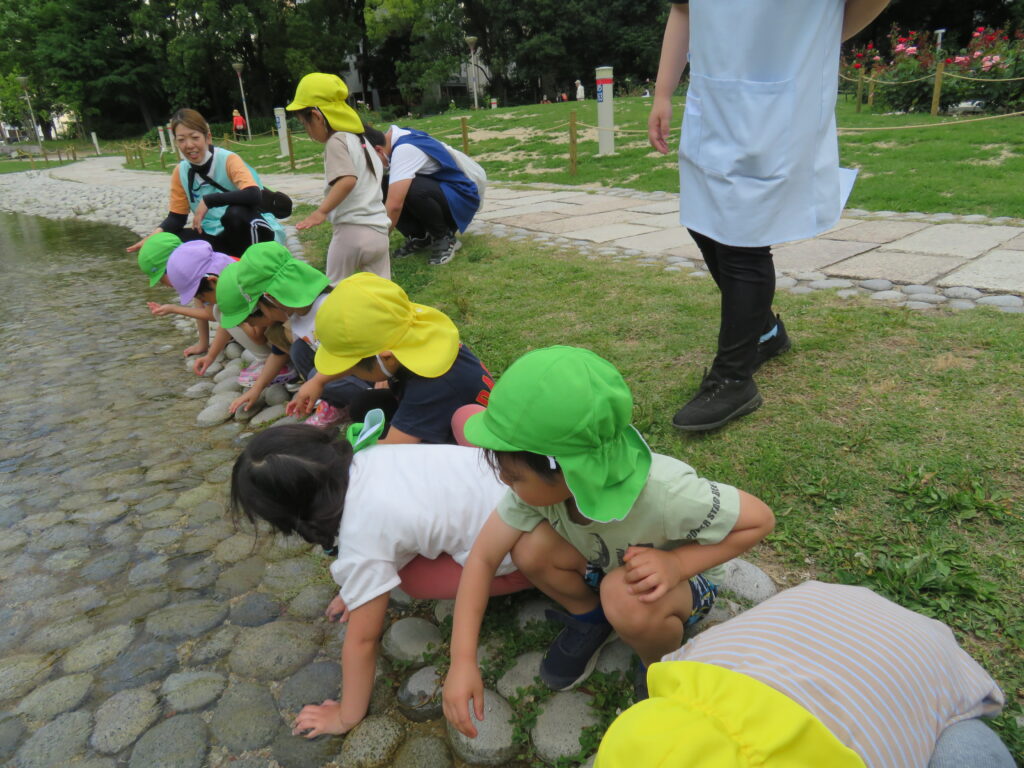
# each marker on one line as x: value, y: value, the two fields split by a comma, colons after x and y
x: 315, y: 720
x: 462, y: 685
x: 650, y: 573
x: 304, y: 400
x: 160, y: 310
x: 196, y: 349
x: 200, y: 365
x: 337, y: 610
x: 136, y: 246
x: 314, y: 219
x: 244, y: 402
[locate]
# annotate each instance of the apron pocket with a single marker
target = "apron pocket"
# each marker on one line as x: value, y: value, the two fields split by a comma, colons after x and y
x: 747, y: 128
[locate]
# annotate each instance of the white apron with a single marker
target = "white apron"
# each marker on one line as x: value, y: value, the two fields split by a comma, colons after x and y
x: 758, y: 157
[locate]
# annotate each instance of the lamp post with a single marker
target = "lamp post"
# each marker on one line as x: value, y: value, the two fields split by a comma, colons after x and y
x: 238, y: 67
x: 471, y: 42
x: 23, y: 82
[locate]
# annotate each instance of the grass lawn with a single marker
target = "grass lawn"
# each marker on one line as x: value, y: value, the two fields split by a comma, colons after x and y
x: 888, y: 446
x: 968, y: 167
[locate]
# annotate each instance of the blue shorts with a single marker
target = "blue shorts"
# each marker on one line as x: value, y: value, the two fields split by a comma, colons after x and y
x: 704, y: 594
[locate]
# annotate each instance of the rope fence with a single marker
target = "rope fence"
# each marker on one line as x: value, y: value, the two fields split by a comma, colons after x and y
x: 937, y: 77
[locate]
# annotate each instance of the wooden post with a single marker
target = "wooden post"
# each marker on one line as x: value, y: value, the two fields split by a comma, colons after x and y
x: 940, y: 67
x: 46, y: 157
x: 162, y: 163
x: 572, y: 143
x: 142, y: 160
x: 74, y: 154
x: 291, y: 151
x: 860, y: 86
x: 871, y: 88
x: 127, y: 155
x: 465, y: 135
x: 60, y: 158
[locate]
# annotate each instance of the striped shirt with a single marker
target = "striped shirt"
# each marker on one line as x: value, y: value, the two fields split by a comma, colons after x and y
x: 885, y: 680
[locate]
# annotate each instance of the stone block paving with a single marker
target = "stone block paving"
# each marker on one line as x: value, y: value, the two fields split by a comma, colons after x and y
x: 944, y: 251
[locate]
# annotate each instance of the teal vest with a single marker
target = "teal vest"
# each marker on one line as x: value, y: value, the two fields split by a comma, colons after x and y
x: 219, y: 173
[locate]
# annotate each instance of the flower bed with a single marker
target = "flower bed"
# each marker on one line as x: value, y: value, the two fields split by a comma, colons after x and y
x: 983, y: 71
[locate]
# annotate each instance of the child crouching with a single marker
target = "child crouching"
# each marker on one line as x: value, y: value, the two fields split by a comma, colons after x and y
x: 624, y: 539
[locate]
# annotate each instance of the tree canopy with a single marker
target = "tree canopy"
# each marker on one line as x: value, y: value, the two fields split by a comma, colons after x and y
x: 122, y: 66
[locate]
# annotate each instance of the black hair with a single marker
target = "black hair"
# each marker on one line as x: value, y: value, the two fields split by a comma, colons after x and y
x: 294, y: 477
x: 499, y: 462
x: 373, y: 135
x: 204, y: 285
x: 367, y: 363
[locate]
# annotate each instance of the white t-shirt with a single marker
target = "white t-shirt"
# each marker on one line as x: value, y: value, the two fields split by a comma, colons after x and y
x: 408, y: 500
x: 304, y: 326
x: 407, y: 160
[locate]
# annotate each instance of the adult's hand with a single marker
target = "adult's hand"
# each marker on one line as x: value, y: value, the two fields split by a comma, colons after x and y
x: 198, y: 215
x: 659, y: 124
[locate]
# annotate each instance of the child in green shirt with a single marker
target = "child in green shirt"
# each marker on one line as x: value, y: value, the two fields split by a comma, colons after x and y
x: 622, y: 538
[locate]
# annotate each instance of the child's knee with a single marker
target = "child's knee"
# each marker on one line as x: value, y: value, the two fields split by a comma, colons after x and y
x: 624, y: 611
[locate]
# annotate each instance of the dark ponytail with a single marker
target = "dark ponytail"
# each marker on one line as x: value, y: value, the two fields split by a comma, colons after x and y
x: 294, y: 477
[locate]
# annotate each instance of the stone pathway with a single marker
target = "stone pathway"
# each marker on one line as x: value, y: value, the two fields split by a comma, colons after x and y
x: 916, y: 260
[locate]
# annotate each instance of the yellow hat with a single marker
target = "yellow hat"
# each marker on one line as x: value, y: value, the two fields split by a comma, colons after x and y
x: 327, y: 93
x: 709, y: 716
x: 366, y: 314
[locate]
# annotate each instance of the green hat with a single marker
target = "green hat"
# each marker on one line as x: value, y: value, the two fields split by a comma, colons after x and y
x: 154, y: 254
x: 573, y: 405
x: 266, y: 268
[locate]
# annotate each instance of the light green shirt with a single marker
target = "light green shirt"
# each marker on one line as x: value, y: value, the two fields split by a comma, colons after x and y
x: 674, y: 507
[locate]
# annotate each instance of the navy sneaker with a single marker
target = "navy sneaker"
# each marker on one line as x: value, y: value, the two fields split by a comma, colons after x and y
x: 573, y: 654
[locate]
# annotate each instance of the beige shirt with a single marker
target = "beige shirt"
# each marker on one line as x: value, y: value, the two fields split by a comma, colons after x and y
x: 676, y: 507
x: 885, y: 680
x: 344, y: 155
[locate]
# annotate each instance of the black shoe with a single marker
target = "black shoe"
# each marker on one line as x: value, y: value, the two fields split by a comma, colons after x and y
x: 573, y: 654
x: 718, y: 402
x: 443, y: 249
x: 775, y: 346
x: 412, y: 245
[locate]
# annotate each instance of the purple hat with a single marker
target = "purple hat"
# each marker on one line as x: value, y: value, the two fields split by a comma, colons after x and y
x: 189, y: 263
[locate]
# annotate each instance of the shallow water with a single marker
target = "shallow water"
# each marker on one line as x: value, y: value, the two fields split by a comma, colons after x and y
x: 111, y: 500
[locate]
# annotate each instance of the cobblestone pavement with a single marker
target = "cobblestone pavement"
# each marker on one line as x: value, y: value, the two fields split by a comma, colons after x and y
x: 139, y: 627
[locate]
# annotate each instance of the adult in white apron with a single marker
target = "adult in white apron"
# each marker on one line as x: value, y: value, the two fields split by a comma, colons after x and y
x: 758, y: 162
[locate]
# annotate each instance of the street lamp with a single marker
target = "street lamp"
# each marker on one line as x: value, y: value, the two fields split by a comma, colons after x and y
x: 471, y: 42
x: 23, y: 82
x: 238, y: 67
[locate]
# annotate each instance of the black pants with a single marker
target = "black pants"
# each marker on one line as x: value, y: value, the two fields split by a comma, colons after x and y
x: 243, y: 226
x: 425, y: 211
x: 746, y: 278
x: 366, y: 401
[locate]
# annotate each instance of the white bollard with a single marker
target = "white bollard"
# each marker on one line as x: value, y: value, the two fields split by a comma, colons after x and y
x: 282, y: 130
x: 96, y: 143
x: 163, y: 141
x: 605, y: 111
x: 494, y: 103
